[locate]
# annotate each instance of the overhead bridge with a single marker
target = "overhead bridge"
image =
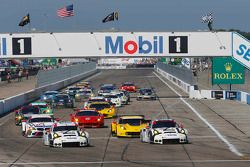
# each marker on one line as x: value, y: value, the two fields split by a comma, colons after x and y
x: 125, y: 44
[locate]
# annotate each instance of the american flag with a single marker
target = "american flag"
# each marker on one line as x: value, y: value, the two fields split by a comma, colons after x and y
x: 66, y: 11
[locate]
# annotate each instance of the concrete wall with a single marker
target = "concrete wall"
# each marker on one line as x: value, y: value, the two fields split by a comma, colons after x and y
x: 13, y: 102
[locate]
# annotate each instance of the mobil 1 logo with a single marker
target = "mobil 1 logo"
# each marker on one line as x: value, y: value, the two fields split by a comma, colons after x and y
x: 21, y: 46
x: 178, y: 44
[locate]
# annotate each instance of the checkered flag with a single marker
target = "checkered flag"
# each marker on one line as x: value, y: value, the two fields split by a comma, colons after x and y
x: 209, y: 20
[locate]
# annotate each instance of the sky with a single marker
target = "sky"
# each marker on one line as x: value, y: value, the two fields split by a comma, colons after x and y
x: 134, y: 15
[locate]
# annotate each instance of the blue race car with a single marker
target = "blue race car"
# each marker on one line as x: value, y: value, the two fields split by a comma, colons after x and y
x: 63, y: 100
x: 48, y: 96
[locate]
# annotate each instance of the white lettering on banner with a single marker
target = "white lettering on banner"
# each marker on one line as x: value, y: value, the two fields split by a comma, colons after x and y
x: 241, y: 49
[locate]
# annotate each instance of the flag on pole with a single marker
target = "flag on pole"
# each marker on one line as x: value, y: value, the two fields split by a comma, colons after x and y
x: 25, y: 20
x: 66, y: 11
x: 111, y: 17
x: 209, y: 20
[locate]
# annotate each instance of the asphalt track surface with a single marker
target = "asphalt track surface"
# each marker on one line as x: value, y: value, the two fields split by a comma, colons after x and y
x: 206, y: 149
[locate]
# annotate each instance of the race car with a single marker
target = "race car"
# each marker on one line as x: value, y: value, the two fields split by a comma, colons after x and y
x: 63, y: 134
x: 63, y: 100
x: 128, y: 125
x: 105, y: 108
x: 84, y: 85
x: 164, y: 131
x: 106, y: 88
x: 88, y: 118
x: 36, y: 124
x: 49, y: 96
x: 94, y: 99
x: 25, y: 112
x: 45, y: 108
x: 83, y: 94
x: 146, y: 94
x: 72, y: 90
x: 123, y: 97
x: 113, y: 99
x: 128, y: 86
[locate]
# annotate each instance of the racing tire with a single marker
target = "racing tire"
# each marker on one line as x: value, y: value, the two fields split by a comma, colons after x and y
x: 113, y: 134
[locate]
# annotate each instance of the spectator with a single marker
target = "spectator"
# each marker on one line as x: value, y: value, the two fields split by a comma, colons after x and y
x: 27, y: 74
x: 8, y: 77
x: 20, y: 73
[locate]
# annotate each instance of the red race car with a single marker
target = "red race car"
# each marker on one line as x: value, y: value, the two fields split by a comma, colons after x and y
x: 128, y: 86
x: 88, y: 118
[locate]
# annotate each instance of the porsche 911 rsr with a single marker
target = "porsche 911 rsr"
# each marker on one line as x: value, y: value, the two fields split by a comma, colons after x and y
x: 65, y: 134
x: 164, y: 131
x: 124, y: 99
x: 36, y: 125
x: 146, y: 94
x: 113, y: 99
x: 105, y: 108
x: 44, y: 107
x: 128, y: 126
x: 25, y: 112
x: 88, y: 118
x: 83, y: 94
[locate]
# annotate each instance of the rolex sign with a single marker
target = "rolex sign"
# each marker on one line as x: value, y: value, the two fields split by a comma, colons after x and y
x: 225, y: 70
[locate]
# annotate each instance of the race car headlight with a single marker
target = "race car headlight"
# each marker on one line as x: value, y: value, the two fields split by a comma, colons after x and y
x: 156, y: 132
x: 76, y: 119
x: 44, y: 97
x: 32, y: 128
x: 183, y: 131
x: 83, y: 134
x: 77, y: 95
x: 19, y: 117
x: 123, y: 128
x: 56, y: 135
x: 98, y: 119
x: 47, y: 111
x: 109, y: 110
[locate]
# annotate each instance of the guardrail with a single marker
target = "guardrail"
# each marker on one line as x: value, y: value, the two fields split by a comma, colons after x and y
x: 170, y: 72
x: 11, y: 103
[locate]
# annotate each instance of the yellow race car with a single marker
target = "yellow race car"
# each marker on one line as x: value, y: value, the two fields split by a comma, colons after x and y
x: 105, y: 108
x: 128, y: 125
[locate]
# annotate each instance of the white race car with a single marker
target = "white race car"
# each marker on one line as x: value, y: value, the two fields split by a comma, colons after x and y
x: 65, y: 134
x: 36, y: 124
x: 113, y: 98
x: 122, y: 96
x: 164, y: 131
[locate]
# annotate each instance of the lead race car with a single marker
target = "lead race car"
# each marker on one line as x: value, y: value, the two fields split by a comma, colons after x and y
x: 65, y: 134
x: 164, y: 131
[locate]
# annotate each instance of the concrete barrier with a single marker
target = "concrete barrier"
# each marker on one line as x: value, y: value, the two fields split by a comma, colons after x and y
x: 13, y: 102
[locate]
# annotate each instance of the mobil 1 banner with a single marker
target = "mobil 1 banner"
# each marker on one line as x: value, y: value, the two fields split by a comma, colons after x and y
x: 178, y: 44
x: 21, y: 46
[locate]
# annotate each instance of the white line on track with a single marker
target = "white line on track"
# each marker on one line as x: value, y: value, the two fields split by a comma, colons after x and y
x: 121, y: 162
x: 232, y: 148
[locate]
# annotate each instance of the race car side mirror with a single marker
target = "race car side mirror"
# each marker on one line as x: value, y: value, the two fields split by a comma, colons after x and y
x: 24, y: 120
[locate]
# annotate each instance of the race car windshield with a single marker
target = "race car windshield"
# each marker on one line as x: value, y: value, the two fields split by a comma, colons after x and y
x: 62, y: 96
x: 111, y: 96
x: 72, y: 89
x: 87, y: 113
x: 128, y: 84
x: 97, y: 100
x: 132, y: 122
x: 108, y: 88
x: 146, y: 91
x: 50, y: 93
x: 41, y: 120
x: 65, y: 128
x: 163, y: 124
x: 85, y: 92
x: 99, y: 106
x: 30, y: 110
x: 42, y: 105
